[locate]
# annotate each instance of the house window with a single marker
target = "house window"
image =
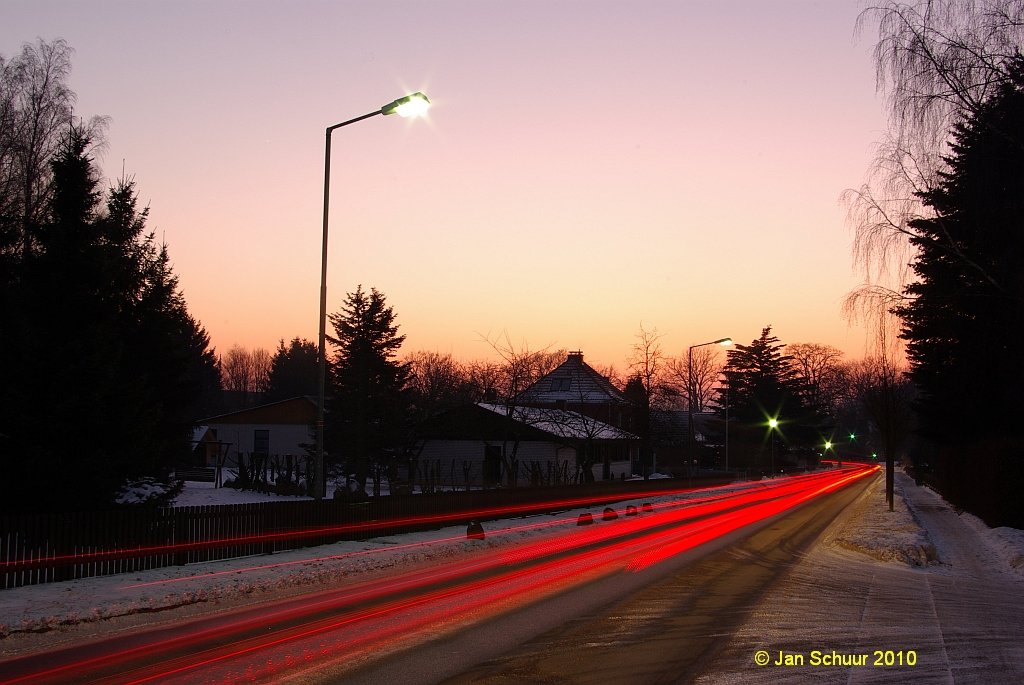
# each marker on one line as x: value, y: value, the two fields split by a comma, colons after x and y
x: 261, y: 442
x: 560, y: 384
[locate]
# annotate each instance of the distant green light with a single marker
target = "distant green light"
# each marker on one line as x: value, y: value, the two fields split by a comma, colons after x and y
x: 773, y: 423
x: 853, y: 436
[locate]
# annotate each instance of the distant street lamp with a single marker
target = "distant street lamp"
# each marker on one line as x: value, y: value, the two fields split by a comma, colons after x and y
x: 724, y: 342
x: 773, y: 423
x: 408, y: 106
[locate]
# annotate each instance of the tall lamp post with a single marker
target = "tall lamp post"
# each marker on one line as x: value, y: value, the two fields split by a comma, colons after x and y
x: 724, y: 342
x: 408, y: 106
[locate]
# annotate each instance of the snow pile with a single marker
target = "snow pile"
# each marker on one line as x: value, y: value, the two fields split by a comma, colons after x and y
x: 1007, y: 544
x: 892, y: 536
x: 147, y: 491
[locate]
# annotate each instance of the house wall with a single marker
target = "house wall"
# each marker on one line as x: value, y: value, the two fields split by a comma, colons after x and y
x: 285, y: 439
x: 617, y: 470
x: 449, y: 456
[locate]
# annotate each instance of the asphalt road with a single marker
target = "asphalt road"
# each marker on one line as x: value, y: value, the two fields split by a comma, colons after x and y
x: 662, y: 625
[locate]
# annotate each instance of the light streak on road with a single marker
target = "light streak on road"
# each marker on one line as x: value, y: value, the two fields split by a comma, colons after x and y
x: 288, y: 636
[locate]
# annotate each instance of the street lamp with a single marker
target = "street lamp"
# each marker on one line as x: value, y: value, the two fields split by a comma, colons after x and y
x: 408, y: 106
x: 724, y: 342
x: 773, y: 423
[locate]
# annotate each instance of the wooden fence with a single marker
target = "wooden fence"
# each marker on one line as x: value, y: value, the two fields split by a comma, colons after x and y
x: 45, y: 548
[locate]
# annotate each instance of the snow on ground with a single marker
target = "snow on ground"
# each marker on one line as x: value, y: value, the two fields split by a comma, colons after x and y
x: 201, y: 494
x: 886, y: 535
x: 868, y: 542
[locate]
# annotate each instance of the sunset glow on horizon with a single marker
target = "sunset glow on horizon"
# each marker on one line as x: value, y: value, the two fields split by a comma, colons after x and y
x: 585, y: 168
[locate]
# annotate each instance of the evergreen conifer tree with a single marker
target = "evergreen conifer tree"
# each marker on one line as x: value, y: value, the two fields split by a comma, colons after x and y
x: 293, y: 370
x: 368, y: 421
x: 103, y: 367
x: 762, y: 385
x: 964, y: 321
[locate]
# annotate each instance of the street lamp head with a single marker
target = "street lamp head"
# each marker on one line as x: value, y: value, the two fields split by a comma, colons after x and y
x: 724, y: 342
x: 773, y: 423
x: 409, y: 106
x: 828, y: 444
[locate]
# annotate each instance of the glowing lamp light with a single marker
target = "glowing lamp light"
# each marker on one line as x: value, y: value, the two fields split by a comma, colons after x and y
x: 828, y: 444
x: 773, y: 423
x: 410, y: 106
x: 724, y: 342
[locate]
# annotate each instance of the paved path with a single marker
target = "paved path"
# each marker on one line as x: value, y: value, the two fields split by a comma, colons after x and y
x: 963, y: 619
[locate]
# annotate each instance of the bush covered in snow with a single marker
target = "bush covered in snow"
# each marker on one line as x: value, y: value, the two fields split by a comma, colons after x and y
x: 149, y: 492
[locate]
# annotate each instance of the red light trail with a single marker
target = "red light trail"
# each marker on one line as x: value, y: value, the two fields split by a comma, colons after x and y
x: 263, y: 642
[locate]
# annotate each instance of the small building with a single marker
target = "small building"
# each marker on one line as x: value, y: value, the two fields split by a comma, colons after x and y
x: 489, y: 444
x: 280, y: 429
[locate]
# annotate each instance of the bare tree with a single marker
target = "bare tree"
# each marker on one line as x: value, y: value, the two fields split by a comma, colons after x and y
x: 35, y: 111
x: 819, y: 372
x: 437, y: 380
x: 647, y: 362
x: 260, y: 360
x: 246, y: 372
x: 886, y: 396
x: 485, y: 379
x: 879, y: 382
x: 707, y: 368
x: 519, y: 366
x: 612, y: 374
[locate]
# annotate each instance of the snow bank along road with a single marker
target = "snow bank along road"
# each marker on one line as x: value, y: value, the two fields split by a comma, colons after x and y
x: 364, y: 622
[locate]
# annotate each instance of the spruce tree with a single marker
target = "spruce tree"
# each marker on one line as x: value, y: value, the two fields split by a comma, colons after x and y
x: 965, y: 317
x: 368, y: 417
x: 102, y: 364
x: 762, y: 385
x: 293, y: 370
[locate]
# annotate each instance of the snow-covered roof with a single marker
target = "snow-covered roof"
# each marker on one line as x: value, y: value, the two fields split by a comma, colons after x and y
x: 561, y: 422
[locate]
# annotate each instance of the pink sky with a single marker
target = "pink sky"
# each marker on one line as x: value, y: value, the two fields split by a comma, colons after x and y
x: 587, y: 167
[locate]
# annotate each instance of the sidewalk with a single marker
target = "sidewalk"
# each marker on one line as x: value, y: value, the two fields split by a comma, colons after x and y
x: 873, y: 585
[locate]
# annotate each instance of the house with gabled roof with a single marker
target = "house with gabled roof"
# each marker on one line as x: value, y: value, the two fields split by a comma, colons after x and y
x: 576, y: 386
x: 491, y: 444
x: 280, y: 429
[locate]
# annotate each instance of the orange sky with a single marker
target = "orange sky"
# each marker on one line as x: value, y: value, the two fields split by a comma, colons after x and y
x: 587, y: 167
